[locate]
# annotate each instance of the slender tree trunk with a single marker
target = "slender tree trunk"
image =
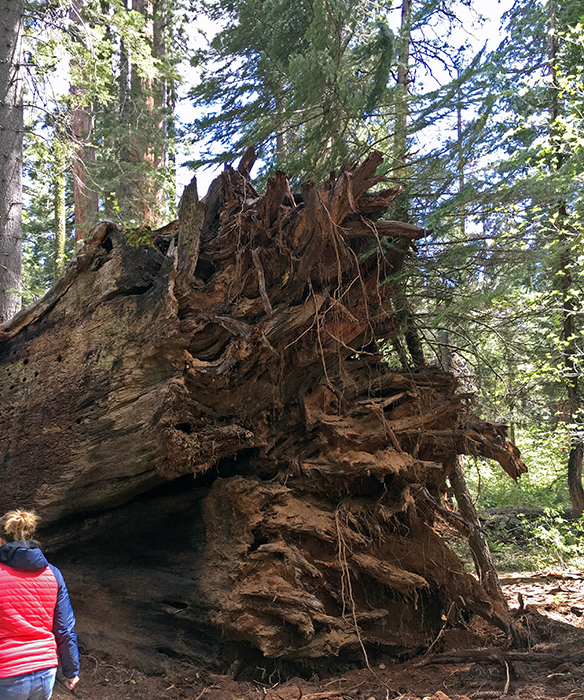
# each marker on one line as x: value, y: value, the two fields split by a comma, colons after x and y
x: 60, y: 225
x: 566, y: 281
x: 11, y: 130
x: 280, y: 132
x: 109, y: 191
x: 484, y: 565
x: 571, y: 367
x: 144, y: 150
x: 171, y: 148
x: 400, y: 155
x: 400, y: 139
x: 124, y: 194
x: 85, y: 195
x: 170, y: 104
x: 483, y: 560
x: 159, y: 110
x: 460, y: 156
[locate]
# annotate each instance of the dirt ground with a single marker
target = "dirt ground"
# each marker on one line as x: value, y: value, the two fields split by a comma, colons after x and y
x: 472, y: 661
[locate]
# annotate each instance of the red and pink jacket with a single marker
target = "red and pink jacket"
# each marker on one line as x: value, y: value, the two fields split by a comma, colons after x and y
x: 36, y: 619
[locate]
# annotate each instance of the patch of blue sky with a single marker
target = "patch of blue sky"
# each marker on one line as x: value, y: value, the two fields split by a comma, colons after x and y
x: 470, y: 28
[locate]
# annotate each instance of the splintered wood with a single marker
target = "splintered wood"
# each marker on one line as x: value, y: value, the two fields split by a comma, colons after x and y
x: 249, y: 338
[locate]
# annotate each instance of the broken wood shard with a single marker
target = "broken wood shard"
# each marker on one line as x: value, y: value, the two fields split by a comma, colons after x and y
x: 246, y: 342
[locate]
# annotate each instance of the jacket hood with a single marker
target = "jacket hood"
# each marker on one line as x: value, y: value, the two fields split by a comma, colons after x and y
x: 23, y: 555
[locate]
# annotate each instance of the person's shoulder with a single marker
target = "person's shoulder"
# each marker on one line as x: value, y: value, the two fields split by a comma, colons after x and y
x: 55, y: 569
x: 58, y: 575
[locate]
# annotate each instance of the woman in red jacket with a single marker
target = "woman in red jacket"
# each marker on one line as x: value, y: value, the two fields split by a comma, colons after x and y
x: 36, y: 619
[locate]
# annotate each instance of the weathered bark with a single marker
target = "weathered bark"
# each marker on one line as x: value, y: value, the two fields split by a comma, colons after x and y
x: 11, y: 132
x: 161, y: 112
x: 242, y: 345
x: 150, y: 149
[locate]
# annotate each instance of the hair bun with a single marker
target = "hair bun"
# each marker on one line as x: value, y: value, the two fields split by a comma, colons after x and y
x: 19, y: 524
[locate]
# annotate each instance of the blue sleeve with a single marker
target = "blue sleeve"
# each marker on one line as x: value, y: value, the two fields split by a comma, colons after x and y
x: 64, y: 629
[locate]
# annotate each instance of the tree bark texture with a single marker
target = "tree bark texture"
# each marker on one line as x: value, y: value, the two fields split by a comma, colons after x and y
x: 11, y: 133
x: 240, y: 348
x: 148, y: 150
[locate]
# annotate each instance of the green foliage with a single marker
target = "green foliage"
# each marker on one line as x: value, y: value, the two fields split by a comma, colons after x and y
x: 501, y: 274
x: 544, y: 452
x: 527, y: 542
x: 282, y: 76
x: 311, y: 85
x: 77, y: 63
x: 44, y: 153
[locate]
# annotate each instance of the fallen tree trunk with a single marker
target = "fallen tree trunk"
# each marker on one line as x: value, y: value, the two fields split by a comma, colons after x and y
x: 246, y: 339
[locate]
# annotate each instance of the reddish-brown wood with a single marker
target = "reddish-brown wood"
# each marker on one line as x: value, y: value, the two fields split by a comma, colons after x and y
x: 246, y: 342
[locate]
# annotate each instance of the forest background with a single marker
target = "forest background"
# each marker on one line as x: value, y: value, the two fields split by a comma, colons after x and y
x: 487, y: 142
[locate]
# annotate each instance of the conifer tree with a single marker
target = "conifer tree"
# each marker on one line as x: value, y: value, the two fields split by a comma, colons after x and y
x: 277, y: 70
x: 315, y: 85
x: 539, y: 179
x: 117, y: 157
x: 11, y: 130
x: 86, y: 196
x: 507, y: 288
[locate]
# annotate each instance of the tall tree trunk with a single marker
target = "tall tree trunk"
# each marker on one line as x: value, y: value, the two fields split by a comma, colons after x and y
x: 59, y: 204
x: 483, y: 561
x: 460, y: 155
x: 169, y: 112
x: 400, y: 139
x: 477, y: 542
x: 124, y: 194
x: 142, y: 114
x: 144, y: 148
x: 566, y: 283
x: 171, y: 147
x: 571, y: 368
x: 85, y: 195
x: 110, y: 191
x: 11, y: 129
x: 400, y: 153
x: 159, y: 109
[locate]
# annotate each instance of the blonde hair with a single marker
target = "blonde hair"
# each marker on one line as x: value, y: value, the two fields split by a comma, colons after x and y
x: 18, y: 525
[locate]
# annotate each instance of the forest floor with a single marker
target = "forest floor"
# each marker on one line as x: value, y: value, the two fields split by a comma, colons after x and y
x: 552, y: 617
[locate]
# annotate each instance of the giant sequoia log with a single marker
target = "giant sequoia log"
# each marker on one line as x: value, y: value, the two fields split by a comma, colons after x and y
x: 248, y: 334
